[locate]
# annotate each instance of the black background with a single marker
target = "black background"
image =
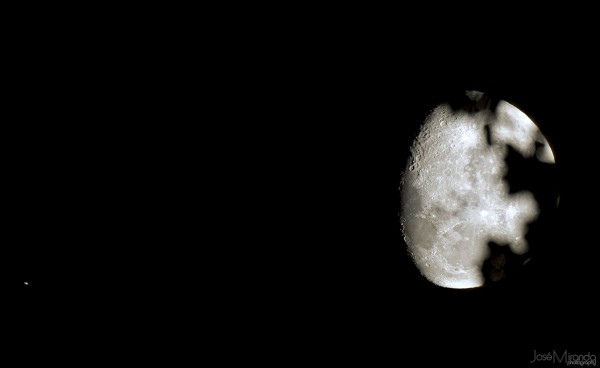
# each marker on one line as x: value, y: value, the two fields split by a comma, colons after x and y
x: 301, y: 138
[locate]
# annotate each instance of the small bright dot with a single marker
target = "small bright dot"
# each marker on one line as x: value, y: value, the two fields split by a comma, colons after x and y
x: 26, y: 283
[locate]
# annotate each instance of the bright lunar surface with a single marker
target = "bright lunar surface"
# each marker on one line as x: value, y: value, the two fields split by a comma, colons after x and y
x: 454, y: 199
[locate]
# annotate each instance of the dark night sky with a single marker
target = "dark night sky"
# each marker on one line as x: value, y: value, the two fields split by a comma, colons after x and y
x: 318, y: 201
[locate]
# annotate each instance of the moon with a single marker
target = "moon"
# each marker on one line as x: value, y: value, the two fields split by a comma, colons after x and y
x: 455, y: 200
